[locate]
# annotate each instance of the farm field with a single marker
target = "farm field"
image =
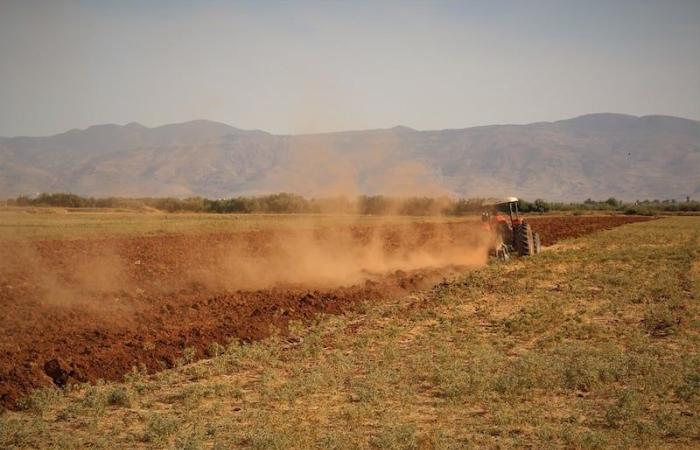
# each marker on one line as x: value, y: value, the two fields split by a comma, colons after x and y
x: 81, y: 223
x: 79, y: 310
x: 592, y: 343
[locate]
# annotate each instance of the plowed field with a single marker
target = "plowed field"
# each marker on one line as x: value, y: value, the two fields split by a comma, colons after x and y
x: 553, y: 229
x: 88, y: 309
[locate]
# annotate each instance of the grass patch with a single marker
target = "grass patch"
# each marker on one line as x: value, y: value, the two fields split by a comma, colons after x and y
x: 62, y: 223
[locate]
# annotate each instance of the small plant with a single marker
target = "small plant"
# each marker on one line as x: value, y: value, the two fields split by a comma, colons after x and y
x: 661, y: 321
x: 189, y: 440
x: 137, y: 374
x: 119, y: 396
x: 640, y: 211
x: 364, y: 391
x: 159, y: 427
x: 269, y: 437
x: 40, y: 401
x: 215, y: 349
x: 95, y: 399
x: 189, y: 355
x: 399, y: 437
x: 623, y: 410
x: 689, y: 391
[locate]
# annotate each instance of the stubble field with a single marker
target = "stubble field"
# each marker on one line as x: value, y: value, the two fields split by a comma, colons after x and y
x: 591, y: 343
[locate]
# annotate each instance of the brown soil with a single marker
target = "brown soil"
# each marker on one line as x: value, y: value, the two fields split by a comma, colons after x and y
x: 83, y: 310
x: 553, y: 229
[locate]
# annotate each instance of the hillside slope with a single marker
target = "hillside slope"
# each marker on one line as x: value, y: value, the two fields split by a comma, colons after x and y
x: 597, y: 155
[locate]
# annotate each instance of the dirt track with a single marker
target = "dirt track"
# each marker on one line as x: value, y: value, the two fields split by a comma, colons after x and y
x: 81, y: 310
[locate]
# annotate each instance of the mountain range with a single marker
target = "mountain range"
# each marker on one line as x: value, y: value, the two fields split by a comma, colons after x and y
x: 591, y: 156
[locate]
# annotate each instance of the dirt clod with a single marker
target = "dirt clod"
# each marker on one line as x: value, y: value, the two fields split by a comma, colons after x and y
x: 58, y: 371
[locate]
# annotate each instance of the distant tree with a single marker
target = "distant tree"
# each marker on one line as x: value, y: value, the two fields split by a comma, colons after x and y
x: 466, y: 206
x: 612, y: 201
x: 376, y: 205
x: 540, y: 205
x: 525, y: 206
x: 22, y: 200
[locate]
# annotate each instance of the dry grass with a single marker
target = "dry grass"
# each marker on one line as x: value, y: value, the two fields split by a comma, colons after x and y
x: 62, y: 223
x: 593, y: 345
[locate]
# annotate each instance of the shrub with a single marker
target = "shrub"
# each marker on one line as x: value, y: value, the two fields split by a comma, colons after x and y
x: 189, y: 355
x: 639, y: 211
x: 40, y: 400
x: 215, y: 349
x: 401, y: 436
x: 661, y: 321
x: 623, y: 410
x: 119, y: 397
x: 689, y: 391
x: 159, y: 427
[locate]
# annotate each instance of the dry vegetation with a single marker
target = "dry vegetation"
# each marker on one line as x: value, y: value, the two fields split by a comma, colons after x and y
x: 591, y: 344
x: 69, y: 223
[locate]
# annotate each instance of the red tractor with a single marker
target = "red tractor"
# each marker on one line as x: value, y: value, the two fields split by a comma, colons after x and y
x: 513, y: 233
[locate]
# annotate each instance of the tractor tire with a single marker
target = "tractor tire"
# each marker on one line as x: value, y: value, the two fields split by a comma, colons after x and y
x: 516, y: 240
x: 525, y: 240
x: 538, y: 245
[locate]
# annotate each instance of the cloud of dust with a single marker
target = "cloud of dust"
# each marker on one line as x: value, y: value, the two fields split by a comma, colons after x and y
x: 342, y: 256
x: 354, y: 163
x: 344, y: 166
x: 64, y: 276
x: 100, y: 277
x: 328, y: 256
x: 410, y: 178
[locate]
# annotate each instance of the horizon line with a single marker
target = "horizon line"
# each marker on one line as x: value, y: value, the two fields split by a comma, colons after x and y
x: 399, y: 127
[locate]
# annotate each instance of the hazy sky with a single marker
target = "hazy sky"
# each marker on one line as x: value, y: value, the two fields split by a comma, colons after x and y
x: 292, y: 67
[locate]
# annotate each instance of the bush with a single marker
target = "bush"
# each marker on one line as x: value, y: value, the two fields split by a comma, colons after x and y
x: 215, y: 349
x: 661, y: 321
x: 119, y: 397
x: 159, y: 427
x: 189, y: 355
x: 40, y: 400
x: 639, y: 211
x: 625, y: 409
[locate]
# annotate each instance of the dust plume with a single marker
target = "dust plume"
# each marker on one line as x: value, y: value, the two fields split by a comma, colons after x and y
x: 332, y: 166
x: 64, y: 274
x: 321, y: 166
x: 342, y: 256
x: 112, y: 274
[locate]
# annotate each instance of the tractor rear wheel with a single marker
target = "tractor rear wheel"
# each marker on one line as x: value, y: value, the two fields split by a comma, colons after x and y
x: 525, y: 240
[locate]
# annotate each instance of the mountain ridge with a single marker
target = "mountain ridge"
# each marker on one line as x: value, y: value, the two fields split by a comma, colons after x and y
x: 138, y: 125
x: 593, y: 155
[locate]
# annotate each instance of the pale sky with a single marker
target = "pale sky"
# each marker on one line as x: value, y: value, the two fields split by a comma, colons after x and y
x: 298, y: 67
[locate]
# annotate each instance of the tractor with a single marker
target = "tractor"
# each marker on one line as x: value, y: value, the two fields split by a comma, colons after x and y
x: 513, y: 234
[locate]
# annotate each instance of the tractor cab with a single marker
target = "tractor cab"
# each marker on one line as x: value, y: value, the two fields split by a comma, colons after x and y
x: 501, y: 211
x: 513, y: 233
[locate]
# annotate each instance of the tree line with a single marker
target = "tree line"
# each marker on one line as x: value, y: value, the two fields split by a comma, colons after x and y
x: 287, y: 203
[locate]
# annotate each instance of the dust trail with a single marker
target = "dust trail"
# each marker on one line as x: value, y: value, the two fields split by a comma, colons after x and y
x: 344, y: 256
x: 319, y: 166
x: 64, y: 274
x: 329, y: 166
x: 111, y: 274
